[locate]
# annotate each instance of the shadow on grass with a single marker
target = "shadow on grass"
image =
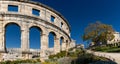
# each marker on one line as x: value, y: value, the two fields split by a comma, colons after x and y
x: 94, y: 62
x: 92, y: 59
x: 103, y: 62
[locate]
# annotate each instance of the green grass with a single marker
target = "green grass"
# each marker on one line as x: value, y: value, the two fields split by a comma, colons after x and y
x: 21, y: 61
x: 106, y: 49
x: 88, y: 58
x: 113, y: 50
x: 78, y: 57
x: 73, y: 57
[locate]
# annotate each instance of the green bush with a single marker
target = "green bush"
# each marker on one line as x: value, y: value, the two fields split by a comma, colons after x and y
x: 70, y: 53
x: 58, y: 55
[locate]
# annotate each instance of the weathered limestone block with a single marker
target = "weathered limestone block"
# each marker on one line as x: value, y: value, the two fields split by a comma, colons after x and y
x: 24, y: 18
x: 57, y: 45
x: 44, y: 45
x: 25, y: 41
x: 2, y: 31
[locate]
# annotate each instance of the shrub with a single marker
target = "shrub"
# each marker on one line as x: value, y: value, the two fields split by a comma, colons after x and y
x: 58, y: 55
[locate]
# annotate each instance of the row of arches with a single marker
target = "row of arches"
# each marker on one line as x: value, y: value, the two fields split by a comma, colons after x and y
x: 13, y: 37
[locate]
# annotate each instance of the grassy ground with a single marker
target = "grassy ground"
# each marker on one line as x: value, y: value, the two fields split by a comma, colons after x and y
x: 80, y: 57
x: 36, y: 61
x: 77, y: 56
x: 92, y: 59
x: 107, y: 49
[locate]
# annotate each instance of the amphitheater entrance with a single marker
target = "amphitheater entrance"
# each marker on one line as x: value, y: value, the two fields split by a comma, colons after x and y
x: 12, y: 35
x: 51, y: 37
x: 61, y: 42
x: 12, y: 39
x: 35, y: 41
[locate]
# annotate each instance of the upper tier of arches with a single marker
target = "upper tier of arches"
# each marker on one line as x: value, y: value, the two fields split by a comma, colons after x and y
x: 37, y: 10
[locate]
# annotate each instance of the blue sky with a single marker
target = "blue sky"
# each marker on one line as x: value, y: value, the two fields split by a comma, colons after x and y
x: 80, y: 13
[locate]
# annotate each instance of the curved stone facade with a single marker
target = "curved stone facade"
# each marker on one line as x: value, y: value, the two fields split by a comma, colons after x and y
x: 25, y: 19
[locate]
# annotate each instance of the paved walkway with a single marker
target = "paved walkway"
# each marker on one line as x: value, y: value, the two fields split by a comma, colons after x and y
x: 113, y: 56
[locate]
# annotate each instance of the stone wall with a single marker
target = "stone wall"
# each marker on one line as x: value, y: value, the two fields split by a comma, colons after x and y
x: 25, y: 20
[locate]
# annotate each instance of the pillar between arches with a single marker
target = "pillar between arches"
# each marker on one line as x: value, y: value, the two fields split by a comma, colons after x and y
x: 2, y: 38
x: 2, y: 41
x: 25, y: 40
x: 57, y: 45
x: 44, y: 46
x: 63, y: 46
x: 25, y: 43
x: 67, y: 46
x: 2, y: 35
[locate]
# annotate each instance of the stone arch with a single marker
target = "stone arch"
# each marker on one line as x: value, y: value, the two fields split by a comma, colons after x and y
x: 25, y: 20
x: 5, y: 28
x: 66, y: 42
x: 61, y: 42
x: 37, y: 28
x: 61, y: 38
x: 38, y: 36
x: 8, y: 23
x: 53, y: 33
x: 52, y: 39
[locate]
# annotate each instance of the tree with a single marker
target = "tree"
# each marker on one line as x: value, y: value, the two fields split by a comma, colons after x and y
x: 98, y: 33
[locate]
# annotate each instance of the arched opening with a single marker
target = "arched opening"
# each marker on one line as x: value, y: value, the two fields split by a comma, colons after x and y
x: 61, y: 41
x: 66, y: 41
x: 35, y: 41
x: 12, y: 36
x: 35, y: 37
x: 52, y: 37
x: 67, y: 44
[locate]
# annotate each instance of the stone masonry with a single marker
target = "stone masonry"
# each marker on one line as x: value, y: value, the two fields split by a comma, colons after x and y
x: 25, y: 20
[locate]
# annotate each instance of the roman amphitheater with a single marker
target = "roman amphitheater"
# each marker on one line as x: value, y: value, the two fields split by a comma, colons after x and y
x: 46, y: 19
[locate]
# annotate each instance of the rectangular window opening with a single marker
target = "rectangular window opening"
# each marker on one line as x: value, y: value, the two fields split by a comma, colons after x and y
x: 52, y: 18
x: 36, y: 12
x: 13, y: 8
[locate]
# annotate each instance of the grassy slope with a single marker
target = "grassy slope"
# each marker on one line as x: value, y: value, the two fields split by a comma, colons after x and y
x: 107, y: 49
